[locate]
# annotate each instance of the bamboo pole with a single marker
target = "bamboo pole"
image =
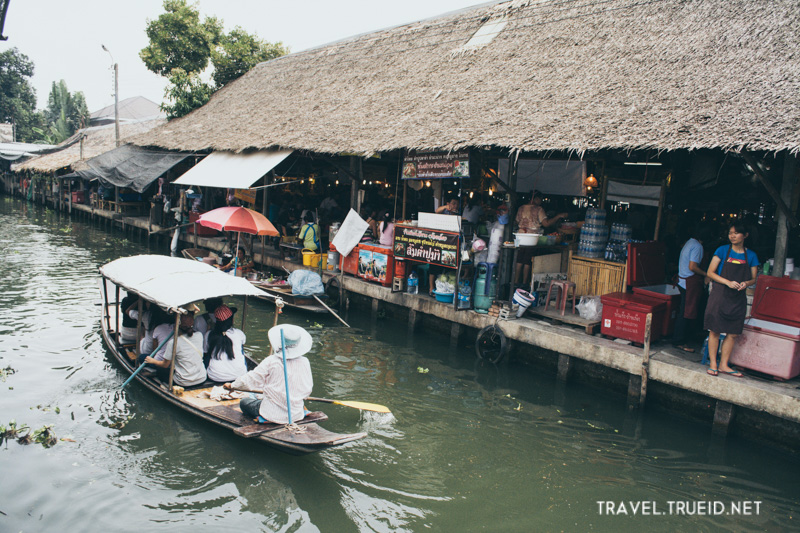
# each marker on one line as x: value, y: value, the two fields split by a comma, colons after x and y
x: 119, y: 338
x: 646, y: 359
x: 175, y: 337
x: 139, y: 329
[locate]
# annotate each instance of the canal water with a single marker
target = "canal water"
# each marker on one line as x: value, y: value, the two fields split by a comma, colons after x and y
x: 469, y: 446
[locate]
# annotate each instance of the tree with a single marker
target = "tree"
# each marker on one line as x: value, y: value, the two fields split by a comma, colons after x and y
x: 17, y: 97
x: 66, y: 113
x: 238, y: 52
x: 181, y: 46
x: 178, y: 39
x: 187, y: 92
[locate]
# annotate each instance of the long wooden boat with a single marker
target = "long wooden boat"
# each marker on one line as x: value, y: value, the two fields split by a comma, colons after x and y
x: 295, y: 301
x: 200, y: 254
x: 173, y: 284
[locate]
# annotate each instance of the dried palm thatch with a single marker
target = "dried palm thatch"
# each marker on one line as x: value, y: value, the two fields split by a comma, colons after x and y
x: 573, y: 75
x: 97, y: 140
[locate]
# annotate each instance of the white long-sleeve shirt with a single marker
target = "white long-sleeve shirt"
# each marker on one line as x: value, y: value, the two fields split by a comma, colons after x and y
x: 268, y: 376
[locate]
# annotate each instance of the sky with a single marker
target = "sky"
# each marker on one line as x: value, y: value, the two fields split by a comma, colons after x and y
x: 64, y: 39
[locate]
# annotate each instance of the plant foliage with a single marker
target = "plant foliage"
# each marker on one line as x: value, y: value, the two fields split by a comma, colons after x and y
x: 182, y: 46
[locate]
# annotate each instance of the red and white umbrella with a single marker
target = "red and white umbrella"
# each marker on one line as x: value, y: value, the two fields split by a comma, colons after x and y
x: 238, y: 219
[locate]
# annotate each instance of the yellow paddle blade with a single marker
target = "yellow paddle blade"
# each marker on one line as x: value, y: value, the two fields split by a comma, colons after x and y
x: 364, y: 406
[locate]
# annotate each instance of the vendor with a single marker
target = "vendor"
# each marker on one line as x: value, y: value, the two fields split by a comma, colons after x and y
x: 732, y: 270
x: 243, y: 267
x: 309, y: 233
x: 450, y: 208
x: 386, y: 229
x: 531, y: 218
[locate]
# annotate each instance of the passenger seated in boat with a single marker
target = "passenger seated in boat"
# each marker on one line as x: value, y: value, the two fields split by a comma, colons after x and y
x: 189, y: 369
x: 268, y: 377
x: 146, y: 344
x: 224, y: 346
x: 243, y: 267
x: 130, y: 312
x: 205, y: 322
x: 164, y: 325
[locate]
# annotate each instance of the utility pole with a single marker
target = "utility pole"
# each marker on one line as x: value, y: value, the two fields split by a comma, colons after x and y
x: 116, y: 95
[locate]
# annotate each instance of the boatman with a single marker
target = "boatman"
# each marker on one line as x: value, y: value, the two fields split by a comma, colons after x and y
x: 269, y: 377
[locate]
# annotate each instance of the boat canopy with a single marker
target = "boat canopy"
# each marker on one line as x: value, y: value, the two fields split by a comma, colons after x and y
x: 173, y: 282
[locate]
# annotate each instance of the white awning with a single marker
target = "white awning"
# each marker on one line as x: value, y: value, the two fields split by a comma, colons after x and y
x: 232, y: 171
x: 173, y: 282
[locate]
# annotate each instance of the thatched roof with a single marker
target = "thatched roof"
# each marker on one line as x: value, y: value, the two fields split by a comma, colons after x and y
x: 99, y: 139
x: 561, y: 75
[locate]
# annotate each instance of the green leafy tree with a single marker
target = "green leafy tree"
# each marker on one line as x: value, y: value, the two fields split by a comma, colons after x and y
x: 66, y: 113
x: 238, y: 52
x: 181, y: 47
x: 179, y: 39
x: 186, y: 92
x: 17, y: 97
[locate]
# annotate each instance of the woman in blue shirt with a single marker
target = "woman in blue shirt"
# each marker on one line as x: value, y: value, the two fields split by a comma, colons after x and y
x: 733, y: 268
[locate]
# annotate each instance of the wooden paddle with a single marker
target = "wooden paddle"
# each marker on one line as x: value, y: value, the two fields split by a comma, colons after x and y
x: 364, y: 406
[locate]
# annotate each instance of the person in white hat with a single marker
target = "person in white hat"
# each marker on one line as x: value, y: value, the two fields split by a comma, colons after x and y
x: 268, y: 377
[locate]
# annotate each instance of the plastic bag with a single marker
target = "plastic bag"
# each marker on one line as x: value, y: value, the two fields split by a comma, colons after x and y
x: 590, y: 308
x: 445, y: 284
x: 305, y: 282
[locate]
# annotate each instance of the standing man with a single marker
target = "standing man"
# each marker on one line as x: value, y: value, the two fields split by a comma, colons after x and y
x: 691, y: 284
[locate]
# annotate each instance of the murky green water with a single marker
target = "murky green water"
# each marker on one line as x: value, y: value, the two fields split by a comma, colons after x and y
x: 470, y: 447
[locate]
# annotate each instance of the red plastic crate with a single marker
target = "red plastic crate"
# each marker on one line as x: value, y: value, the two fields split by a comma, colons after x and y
x: 625, y: 315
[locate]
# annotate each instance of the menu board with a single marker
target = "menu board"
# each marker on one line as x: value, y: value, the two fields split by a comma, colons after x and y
x: 426, y: 245
x: 423, y: 164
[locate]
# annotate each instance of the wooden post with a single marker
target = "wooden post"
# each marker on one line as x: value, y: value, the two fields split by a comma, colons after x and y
x: 194, y: 230
x: 69, y: 192
x: 782, y: 230
x: 174, y: 348
x: 405, y: 198
x: 660, y: 209
x: 646, y: 358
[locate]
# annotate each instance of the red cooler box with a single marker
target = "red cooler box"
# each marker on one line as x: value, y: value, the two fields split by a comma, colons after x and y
x: 376, y: 263
x: 672, y: 296
x: 770, y: 341
x: 349, y: 263
x: 625, y: 315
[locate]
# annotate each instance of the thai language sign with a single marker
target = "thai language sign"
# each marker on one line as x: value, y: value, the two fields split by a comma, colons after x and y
x: 424, y: 165
x: 426, y: 245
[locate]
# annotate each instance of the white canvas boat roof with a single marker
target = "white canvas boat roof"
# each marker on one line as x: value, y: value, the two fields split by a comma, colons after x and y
x: 173, y: 282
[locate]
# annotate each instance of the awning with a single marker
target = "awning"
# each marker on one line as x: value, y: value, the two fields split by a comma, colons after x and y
x: 233, y: 171
x: 127, y: 166
x: 173, y: 282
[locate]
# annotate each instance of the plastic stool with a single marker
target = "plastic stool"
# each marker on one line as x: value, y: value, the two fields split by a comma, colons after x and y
x: 398, y: 284
x: 562, y: 287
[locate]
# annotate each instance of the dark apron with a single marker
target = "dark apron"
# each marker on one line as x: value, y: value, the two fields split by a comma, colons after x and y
x: 694, y: 288
x: 727, y: 307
